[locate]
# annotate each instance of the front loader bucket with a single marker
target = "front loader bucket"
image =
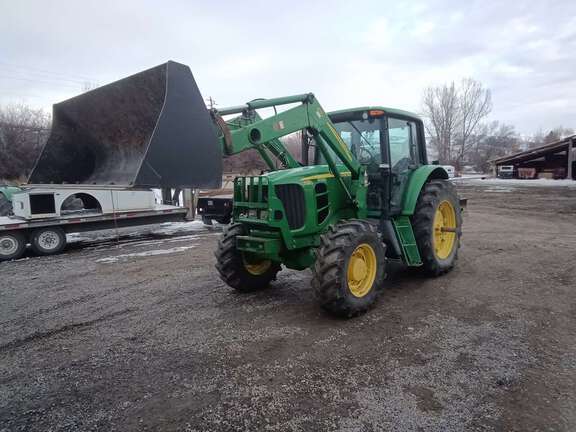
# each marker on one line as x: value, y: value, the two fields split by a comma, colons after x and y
x: 151, y: 129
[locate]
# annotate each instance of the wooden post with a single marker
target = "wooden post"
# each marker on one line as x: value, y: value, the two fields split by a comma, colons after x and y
x: 570, y: 158
x: 190, y: 199
x: 167, y: 196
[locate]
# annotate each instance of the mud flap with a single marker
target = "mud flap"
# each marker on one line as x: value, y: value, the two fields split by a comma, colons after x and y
x: 151, y: 129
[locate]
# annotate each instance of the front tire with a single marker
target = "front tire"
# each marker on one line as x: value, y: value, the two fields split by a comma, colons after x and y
x: 238, y: 270
x: 437, y: 223
x: 48, y: 241
x: 349, y: 268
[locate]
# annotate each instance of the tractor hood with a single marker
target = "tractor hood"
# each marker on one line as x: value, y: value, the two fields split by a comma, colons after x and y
x: 151, y: 129
x: 304, y: 174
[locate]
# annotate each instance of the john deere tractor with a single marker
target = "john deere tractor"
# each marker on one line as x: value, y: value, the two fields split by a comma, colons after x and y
x: 363, y: 193
x: 368, y: 196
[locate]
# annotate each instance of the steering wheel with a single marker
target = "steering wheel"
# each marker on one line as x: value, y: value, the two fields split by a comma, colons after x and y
x: 365, y: 149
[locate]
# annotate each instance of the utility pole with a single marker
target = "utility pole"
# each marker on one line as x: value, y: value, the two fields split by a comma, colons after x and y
x: 190, y: 197
x: 570, y: 158
x: 211, y: 102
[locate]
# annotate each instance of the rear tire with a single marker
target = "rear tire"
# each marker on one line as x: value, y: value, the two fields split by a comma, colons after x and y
x: 349, y: 268
x: 12, y: 245
x: 48, y: 241
x: 437, y: 198
x: 206, y: 220
x: 238, y: 270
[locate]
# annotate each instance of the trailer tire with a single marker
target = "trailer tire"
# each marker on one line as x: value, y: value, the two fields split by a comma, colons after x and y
x: 12, y: 245
x: 234, y: 267
x: 48, y: 240
x: 350, y: 268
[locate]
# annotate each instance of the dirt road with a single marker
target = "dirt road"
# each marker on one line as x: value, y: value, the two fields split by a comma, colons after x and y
x: 112, y: 337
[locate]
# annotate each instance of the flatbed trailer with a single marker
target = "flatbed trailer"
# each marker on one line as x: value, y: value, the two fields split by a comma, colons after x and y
x: 48, y: 236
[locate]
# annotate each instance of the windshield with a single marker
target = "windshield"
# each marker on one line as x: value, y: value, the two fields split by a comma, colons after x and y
x: 363, y: 139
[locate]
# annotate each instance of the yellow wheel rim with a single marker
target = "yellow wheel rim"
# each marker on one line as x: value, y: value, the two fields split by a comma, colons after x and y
x: 257, y: 268
x: 444, y: 229
x: 361, y: 271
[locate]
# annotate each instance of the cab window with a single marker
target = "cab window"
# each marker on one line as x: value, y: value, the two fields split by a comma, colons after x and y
x: 403, y: 142
x: 362, y: 137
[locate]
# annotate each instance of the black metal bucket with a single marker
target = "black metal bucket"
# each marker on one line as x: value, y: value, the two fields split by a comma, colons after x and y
x: 151, y: 129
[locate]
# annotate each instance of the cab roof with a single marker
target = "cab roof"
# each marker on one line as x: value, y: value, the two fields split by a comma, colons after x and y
x: 385, y: 109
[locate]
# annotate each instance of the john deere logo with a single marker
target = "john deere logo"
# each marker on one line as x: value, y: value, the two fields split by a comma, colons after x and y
x: 278, y: 125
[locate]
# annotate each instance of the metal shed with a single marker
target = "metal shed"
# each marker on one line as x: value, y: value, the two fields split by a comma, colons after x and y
x: 556, y: 160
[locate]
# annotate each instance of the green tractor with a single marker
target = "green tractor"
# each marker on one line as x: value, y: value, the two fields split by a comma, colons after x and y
x: 367, y: 197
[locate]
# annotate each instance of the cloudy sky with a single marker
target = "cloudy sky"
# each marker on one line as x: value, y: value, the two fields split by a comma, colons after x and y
x: 348, y: 53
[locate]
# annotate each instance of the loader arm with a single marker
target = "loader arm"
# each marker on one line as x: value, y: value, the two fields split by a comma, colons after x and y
x: 274, y: 146
x: 263, y: 134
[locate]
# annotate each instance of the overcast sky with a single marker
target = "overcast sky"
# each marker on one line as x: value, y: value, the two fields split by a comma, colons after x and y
x: 349, y: 53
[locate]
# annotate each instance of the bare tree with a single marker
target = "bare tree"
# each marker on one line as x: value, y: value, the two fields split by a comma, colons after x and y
x: 541, y: 138
x: 454, y: 115
x: 23, y: 132
x: 491, y: 141
x: 89, y: 85
x: 440, y: 107
x: 557, y: 134
x: 474, y: 105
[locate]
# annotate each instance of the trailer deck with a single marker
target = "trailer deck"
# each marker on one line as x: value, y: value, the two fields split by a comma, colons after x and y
x: 48, y: 236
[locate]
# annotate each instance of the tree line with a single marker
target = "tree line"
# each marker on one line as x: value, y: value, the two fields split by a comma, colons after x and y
x: 455, y: 116
x: 23, y: 132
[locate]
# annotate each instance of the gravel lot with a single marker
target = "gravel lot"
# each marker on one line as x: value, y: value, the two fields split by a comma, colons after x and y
x: 110, y: 337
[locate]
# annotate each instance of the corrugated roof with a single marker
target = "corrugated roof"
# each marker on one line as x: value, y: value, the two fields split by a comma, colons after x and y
x: 555, y: 146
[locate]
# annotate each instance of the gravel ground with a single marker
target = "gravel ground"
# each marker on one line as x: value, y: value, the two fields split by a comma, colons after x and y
x: 142, y: 335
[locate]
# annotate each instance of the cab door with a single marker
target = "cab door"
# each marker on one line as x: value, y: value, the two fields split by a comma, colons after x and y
x: 403, y: 143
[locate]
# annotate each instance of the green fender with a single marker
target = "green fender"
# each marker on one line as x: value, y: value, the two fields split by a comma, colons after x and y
x: 8, y: 191
x: 415, y: 183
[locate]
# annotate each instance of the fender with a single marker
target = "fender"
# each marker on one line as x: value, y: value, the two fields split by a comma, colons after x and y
x: 415, y: 183
x: 8, y: 191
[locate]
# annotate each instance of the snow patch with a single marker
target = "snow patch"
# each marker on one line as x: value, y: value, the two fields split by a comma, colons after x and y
x: 83, y: 237
x: 117, y: 258
x: 507, y: 183
x: 167, y: 228
x: 170, y: 228
x: 499, y: 189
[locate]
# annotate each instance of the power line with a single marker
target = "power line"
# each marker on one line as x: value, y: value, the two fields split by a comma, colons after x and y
x: 40, y: 81
x: 22, y: 95
x: 44, y: 71
x: 35, y: 75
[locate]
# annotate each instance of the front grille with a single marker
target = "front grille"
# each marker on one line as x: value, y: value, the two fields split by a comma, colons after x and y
x: 322, y: 206
x: 251, y: 189
x: 251, y: 198
x: 292, y: 197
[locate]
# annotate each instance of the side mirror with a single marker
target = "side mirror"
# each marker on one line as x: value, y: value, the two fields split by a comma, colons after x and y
x: 435, y: 162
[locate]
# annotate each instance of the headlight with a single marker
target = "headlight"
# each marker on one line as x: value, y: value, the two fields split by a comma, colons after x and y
x: 264, y: 214
x: 252, y: 213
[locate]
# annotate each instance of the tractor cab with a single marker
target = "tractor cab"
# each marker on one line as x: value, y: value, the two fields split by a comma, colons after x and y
x: 390, y: 144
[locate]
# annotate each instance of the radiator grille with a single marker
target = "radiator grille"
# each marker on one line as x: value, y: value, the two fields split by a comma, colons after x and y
x: 292, y: 197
